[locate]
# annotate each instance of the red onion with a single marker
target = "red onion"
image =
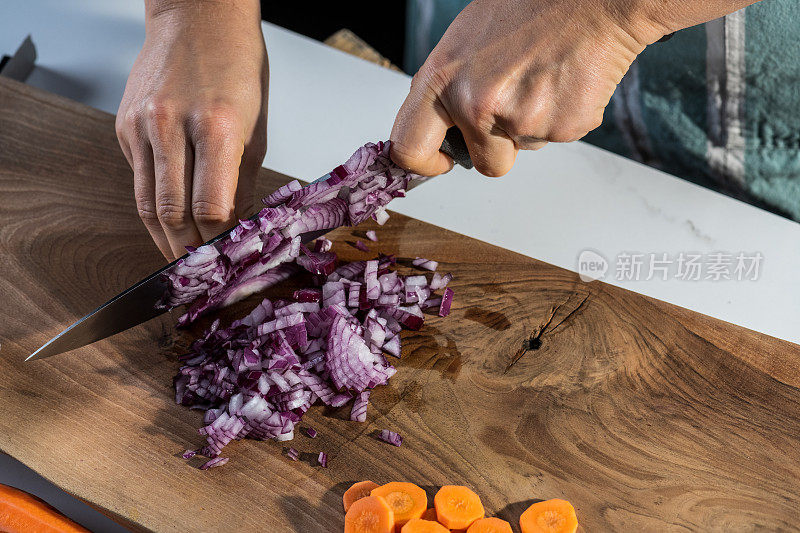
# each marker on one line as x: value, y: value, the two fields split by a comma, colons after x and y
x: 391, y: 437
x: 257, y: 377
x: 425, y: 264
x: 359, y: 411
x: 213, y: 463
x: 447, y: 298
x: 371, y: 235
x: 322, y: 459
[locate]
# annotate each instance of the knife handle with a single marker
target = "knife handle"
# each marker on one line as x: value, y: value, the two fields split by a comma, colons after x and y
x: 455, y: 146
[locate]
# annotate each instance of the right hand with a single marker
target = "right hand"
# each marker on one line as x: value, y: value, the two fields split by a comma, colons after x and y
x: 193, y: 120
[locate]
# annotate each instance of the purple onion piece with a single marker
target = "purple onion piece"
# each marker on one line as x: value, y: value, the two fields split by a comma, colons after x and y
x: 391, y: 437
x: 447, y: 298
x: 213, y: 463
x: 258, y: 376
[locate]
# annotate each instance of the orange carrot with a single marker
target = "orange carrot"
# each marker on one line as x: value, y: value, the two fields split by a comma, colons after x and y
x: 21, y: 512
x: 430, y: 514
x: 406, y: 500
x: 489, y: 525
x: 457, y: 507
x: 369, y: 515
x: 418, y: 525
x: 356, y: 492
x: 551, y: 516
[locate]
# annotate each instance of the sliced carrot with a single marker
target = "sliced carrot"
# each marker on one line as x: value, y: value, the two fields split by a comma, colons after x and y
x: 21, y: 512
x: 418, y: 525
x: 550, y: 516
x: 457, y: 507
x: 430, y: 514
x: 356, y: 492
x: 369, y: 515
x: 489, y: 525
x: 406, y: 500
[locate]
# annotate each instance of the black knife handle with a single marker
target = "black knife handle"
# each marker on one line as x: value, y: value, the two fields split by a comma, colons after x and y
x: 455, y: 146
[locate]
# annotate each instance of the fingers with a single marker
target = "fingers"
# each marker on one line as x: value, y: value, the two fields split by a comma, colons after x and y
x: 144, y: 191
x: 173, y: 163
x: 218, y: 155
x: 492, y: 152
x: 418, y: 132
x: 245, y: 188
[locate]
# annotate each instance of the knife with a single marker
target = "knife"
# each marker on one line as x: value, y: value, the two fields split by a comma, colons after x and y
x: 138, y: 303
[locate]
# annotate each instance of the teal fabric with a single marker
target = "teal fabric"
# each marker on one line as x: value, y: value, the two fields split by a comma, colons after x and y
x: 664, y: 113
x: 772, y: 104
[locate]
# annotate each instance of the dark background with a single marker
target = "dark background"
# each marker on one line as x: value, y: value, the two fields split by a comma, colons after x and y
x: 381, y: 24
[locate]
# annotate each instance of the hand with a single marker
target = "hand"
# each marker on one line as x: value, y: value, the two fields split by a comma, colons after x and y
x: 515, y: 75
x: 192, y: 122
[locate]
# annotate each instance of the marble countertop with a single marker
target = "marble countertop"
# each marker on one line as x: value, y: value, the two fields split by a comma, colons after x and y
x: 571, y: 205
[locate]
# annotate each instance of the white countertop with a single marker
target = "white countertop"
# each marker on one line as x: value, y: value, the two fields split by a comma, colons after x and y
x: 553, y: 205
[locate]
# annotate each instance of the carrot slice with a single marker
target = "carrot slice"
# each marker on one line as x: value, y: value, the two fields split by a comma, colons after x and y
x: 21, y: 512
x: 406, y: 500
x: 357, y: 491
x: 550, y: 516
x: 369, y: 515
x: 457, y: 507
x: 489, y: 525
x: 418, y: 525
x: 430, y: 514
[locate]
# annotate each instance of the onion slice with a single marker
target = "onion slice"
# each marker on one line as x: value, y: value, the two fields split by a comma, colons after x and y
x: 391, y: 437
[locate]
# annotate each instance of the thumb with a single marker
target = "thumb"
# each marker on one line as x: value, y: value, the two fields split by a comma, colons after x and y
x: 418, y: 132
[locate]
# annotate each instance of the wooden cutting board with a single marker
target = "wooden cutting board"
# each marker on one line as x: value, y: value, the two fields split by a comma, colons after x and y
x: 646, y: 416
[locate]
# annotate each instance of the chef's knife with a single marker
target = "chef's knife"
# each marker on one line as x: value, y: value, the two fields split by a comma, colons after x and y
x: 139, y: 303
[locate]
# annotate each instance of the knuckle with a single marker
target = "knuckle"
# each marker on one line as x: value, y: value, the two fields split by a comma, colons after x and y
x: 596, y: 122
x: 128, y: 123
x: 171, y: 215
x: 215, y: 120
x: 482, y: 107
x: 147, y: 212
x: 161, y: 112
x: 567, y: 133
x: 434, y: 73
x: 208, y: 213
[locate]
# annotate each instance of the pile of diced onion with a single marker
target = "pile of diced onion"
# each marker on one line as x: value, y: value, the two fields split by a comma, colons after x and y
x: 257, y: 377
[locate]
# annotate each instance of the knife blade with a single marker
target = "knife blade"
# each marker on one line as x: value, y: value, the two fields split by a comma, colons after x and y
x: 138, y: 303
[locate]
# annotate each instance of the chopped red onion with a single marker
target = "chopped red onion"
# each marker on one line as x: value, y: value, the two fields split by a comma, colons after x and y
x: 391, y: 437
x: 447, y: 298
x: 381, y: 216
x: 293, y: 454
x: 426, y: 264
x: 322, y: 245
x: 188, y: 454
x: 359, y: 411
x: 257, y: 377
x: 361, y: 246
x: 213, y: 463
x: 371, y: 235
x: 311, y: 432
x: 440, y: 282
x: 307, y: 295
x: 322, y: 459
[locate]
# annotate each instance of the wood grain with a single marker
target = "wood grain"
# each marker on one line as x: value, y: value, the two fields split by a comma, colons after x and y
x: 348, y: 42
x: 646, y: 416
